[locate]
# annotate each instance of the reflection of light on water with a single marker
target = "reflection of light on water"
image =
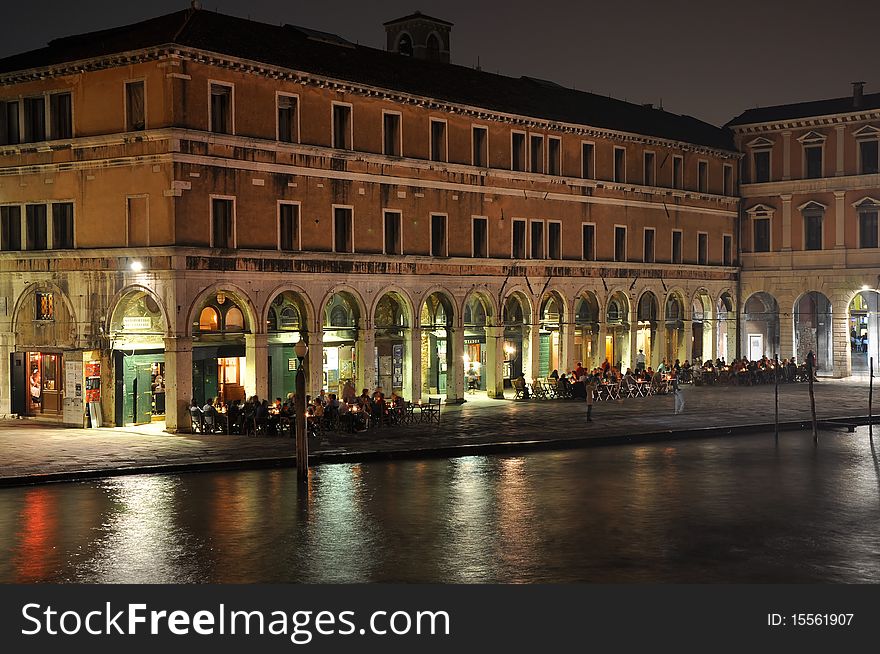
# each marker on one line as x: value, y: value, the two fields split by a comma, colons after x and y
x: 142, y: 541
x: 471, y: 551
x: 38, y: 522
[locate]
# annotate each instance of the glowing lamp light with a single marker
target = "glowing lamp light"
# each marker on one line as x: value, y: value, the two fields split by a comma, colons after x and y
x: 136, y: 266
x: 300, y: 349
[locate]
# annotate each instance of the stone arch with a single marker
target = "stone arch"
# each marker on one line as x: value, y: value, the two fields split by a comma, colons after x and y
x: 54, y: 334
x: 345, y: 290
x: 487, y: 300
x: 525, y: 303
x: 117, y: 302
x: 305, y: 300
x: 402, y: 297
x: 404, y: 44
x: 760, y: 325
x: 239, y: 296
x: 811, y: 321
x: 448, y: 297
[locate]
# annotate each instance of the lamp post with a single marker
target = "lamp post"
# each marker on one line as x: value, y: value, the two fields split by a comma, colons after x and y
x: 302, y: 442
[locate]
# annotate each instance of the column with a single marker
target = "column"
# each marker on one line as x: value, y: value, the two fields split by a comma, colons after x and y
x: 713, y: 327
x: 841, y: 133
x: 630, y: 362
x: 315, y: 367
x: 599, y: 355
x: 786, y: 333
x: 786, y: 155
x: 568, y: 356
x: 178, y: 383
x: 494, y: 370
x: 658, y: 349
x: 256, y: 377
x: 840, y: 342
x: 455, y: 367
x: 688, y: 342
x: 6, y: 349
x: 786, y: 222
x: 839, y: 219
x: 412, y: 365
x: 531, y: 352
x: 366, y: 357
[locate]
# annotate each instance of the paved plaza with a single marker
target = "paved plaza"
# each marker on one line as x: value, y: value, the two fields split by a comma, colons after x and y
x: 32, y: 451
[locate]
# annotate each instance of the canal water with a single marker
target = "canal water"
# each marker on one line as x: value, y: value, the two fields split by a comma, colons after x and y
x: 720, y: 510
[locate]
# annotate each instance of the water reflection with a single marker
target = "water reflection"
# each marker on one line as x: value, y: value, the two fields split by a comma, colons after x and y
x: 739, y: 509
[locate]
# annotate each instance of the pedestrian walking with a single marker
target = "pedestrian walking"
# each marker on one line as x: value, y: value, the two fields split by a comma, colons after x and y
x: 591, y: 390
x: 678, y: 395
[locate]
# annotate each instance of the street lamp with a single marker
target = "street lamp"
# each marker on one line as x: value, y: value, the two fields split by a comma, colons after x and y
x: 302, y: 443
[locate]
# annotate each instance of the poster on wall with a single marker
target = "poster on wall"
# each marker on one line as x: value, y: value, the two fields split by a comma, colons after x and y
x: 93, y: 381
x: 397, y: 366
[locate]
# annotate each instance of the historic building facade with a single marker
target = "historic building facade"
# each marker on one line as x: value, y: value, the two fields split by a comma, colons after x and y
x: 810, y: 260
x: 184, y: 199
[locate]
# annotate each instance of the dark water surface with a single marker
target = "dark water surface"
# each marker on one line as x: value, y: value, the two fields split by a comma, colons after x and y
x: 733, y: 509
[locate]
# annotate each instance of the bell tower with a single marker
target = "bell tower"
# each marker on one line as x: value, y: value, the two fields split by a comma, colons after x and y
x: 419, y: 36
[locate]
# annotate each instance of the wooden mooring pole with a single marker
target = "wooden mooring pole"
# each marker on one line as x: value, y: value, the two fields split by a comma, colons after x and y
x: 776, y: 399
x: 870, y: 397
x: 811, y: 358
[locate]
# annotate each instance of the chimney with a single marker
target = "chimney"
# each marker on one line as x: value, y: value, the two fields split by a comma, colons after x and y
x: 858, y: 94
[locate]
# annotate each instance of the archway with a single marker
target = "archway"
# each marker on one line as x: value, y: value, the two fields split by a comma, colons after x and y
x: 812, y: 330
x: 760, y: 326
x: 137, y: 339
x: 646, y: 314
x: 286, y: 325
x: 864, y: 330
x: 586, y: 330
x: 725, y: 321
x: 220, y: 366
x: 476, y: 313
x: 617, y: 330
x: 674, y: 323
x: 516, y: 317
x: 391, y: 322
x: 701, y: 324
x: 436, y: 318
x: 341, y: 317
x: 550, y: 343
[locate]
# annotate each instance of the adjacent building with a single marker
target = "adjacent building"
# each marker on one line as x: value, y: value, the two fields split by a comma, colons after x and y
x: 183, y: 199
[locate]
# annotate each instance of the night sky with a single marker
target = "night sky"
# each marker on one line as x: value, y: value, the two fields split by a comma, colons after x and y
x: 706, y: 58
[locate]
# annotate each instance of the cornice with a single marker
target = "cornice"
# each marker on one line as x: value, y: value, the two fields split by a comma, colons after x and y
x: 820, y: 185
x: 171, y: 51
x: 809, y: 121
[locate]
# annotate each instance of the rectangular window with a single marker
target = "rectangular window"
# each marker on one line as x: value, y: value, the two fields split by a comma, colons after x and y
x: 138, y: 221
x: 619, y: 165
x: 588, y: 242
x: 620, y: 243
x: 9, y: 129
x: 554, y: 240
x: 342, y: 126
x: 813, y: 161
x: 61, y: 115
x: 288, y: 119
x: 393, y: 234
x: 518, y: 248
x: 676, y: 246
x: 438, y: 235
x: 537, y: 239
x: 869, y: 159
x: 812, y: 231
x: 761, y: 161
x: 761, y: 234
x: 727, y: 188
x: 62, y: 225
x: 480, y: 232
x: 438, y: 140
x: 554, y: 156
x: 649, y: 169
x: 536, y: 152
x: 480, y: 138
x: 37, y: 231
x: 10, y: 228
x: 45, y: 306
x: 587, y: 168
x: 391, y: 134
x: 702, y: 249
x: 703, y: 176
x: 518, y: 151
x: 868, y: 229
x: 288, y: 226
x: 677, y: 172
x: 343, y: 229
x: 34, y: 119
x: 221, y: 109
x: 135, y: 107
x: 727, y: 253
x: 222, y: 223
x: 649, y: 245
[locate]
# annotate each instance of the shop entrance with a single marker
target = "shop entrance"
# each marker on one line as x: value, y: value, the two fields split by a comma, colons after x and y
x: 864, y: 330
x: 44, y: 384
x: 142, y: 396
x: 341, y: 318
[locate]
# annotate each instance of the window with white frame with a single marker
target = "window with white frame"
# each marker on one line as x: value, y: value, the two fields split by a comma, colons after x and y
x: 703, y: 176
x: 10, y: 132
x: 868, y: 142
x: 649, y: 169
x: 438, y: 140
x: 342, y: 126
x: 727, y: 180
x: 703, y: 248
x: 480, y: 145
x: 554, y: 239
x: 648, y: 254
x: 588, y: 170
x: 619, y: 164
x: 222, y: 223
x: 868, y: 212
x: 554, y: 155
x: 135, y: 106
x: 221, y: 117
x: 438, y: 235
x: 676, y: 246
x: 759, y: 152
x: 727, y: 250
x: 480, y: 237
x: 10, y: 228
x: 343, y: 229
x: 391, y: 134
x: 536, y: 153
x: 814, y: 214
x: 619, y: 243
x: 37, y: 227
x: 60, y: 116
x: 517, y: 151
x: 288, y: 118
x: 536, y: 236
x: 62, y: 225
x: 518, y: 239
x: 393, y: 229
x: 760, y: 229
x: 588, y: 242
x: 288, y: 226
x: 677, y: 172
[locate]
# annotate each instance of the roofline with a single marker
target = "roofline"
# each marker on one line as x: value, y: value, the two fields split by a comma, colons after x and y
x: 856, y: 115
x: 174, y: 49
x: 416, y: 17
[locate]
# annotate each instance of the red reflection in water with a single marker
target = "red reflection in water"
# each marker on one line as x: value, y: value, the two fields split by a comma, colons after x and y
x: 37, y: 535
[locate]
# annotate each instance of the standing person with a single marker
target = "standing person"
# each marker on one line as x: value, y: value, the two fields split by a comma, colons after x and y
x: 679, y: 396
x: 591, y: 390
x: 640, y: 361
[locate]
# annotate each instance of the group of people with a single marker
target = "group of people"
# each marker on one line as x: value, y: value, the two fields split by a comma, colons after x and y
x: 326, y: 410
